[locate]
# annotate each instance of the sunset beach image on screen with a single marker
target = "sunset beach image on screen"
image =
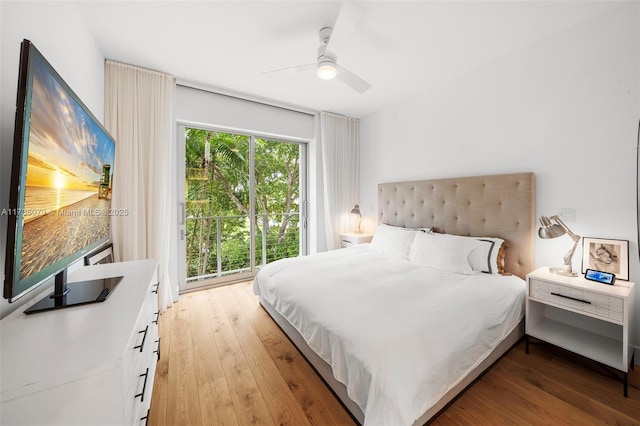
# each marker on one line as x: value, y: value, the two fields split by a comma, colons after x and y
x: 68, y: 177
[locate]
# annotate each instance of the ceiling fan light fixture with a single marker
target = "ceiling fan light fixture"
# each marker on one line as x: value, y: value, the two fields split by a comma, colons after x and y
x: 326, y: 70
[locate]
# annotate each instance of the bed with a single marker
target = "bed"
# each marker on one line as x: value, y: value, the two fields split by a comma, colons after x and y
x: 399, y: 327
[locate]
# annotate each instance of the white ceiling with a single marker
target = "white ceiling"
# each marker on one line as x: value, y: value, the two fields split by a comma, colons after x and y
x: 401, y: 48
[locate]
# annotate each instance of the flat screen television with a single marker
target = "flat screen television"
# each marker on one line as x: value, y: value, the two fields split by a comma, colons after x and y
x: 60, y: 193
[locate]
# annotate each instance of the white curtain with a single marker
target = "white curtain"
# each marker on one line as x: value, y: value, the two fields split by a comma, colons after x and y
x: 139, y: 115
x: 340, y: 141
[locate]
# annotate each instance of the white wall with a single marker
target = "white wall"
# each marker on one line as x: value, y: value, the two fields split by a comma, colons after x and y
x: 59, y: 32
x: 565, y: 108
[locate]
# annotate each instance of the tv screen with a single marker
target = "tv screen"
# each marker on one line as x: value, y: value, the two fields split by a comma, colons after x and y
x: 63, y: 165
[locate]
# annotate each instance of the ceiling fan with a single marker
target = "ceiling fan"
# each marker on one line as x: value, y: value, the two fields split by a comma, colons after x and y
x: 331, y: 38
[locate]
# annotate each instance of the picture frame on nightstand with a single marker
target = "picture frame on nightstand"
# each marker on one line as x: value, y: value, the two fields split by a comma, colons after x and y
x: 606, y: 255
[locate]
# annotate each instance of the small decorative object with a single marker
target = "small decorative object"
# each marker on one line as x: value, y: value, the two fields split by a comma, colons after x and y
x: 356, y: 210
x: 606, y: 256
x: 554, y: 230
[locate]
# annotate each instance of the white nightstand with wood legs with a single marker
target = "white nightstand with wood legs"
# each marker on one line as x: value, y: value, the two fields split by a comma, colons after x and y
x: 582, y: 316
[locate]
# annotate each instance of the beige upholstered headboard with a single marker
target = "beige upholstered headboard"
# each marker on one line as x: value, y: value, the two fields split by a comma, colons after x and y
x: 481, y: 206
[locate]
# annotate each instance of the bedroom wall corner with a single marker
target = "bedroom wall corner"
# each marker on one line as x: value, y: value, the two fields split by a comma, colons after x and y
x: 69, y: 46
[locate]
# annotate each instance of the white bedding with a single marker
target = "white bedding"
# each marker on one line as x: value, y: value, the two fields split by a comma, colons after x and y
x: 399, y: 336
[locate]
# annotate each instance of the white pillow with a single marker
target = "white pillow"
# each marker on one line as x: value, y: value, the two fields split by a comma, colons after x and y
x: 443, y: 252
x: 484, y: 258
x: 393, y: 240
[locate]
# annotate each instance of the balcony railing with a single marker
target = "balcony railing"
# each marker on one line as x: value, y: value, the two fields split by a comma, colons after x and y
x: 220, y: 245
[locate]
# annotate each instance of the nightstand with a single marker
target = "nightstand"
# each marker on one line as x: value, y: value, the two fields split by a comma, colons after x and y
x: 581, y: 316
x: 352, y: 239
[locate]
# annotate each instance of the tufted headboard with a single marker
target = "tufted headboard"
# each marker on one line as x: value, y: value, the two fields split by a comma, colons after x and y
x: 481, y: 206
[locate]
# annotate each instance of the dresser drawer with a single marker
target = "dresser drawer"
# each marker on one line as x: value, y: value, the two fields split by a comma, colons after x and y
x: 140, y: 360
x: 583, y: 300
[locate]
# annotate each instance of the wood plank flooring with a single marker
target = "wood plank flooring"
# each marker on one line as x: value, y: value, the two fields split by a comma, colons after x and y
x: 225, y: 362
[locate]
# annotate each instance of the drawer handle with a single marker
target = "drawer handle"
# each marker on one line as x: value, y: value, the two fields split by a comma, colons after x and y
x: 572, y: 298
x: 157, y: 317
x: 144, y: 336
x: 157, y: 351
x: 156, y: 285
x: 144, y: 385
x: 145, y: 418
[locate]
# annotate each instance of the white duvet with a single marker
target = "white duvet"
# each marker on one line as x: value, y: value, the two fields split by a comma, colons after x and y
x: 399, y: 336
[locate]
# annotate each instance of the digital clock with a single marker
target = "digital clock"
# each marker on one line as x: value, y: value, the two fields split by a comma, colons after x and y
x: 599, y: 276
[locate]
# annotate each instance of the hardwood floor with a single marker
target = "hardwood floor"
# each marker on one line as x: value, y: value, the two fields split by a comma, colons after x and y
x: 225, y: 362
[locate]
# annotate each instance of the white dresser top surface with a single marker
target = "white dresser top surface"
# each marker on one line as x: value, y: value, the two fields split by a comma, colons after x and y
x: 42, y: 349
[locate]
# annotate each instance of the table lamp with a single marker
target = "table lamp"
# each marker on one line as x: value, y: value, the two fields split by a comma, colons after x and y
x: 356, y: 210
x: 554, y: 230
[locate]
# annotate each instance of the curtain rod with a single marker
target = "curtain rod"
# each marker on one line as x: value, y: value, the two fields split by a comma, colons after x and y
x: 136, y: 67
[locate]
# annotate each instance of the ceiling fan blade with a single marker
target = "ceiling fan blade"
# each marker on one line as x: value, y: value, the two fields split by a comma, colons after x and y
x: 346, y: 23
x: 292, y: 70
x: 352, y: 80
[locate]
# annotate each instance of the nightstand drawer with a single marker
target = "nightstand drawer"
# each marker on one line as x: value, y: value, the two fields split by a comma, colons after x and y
x: 583, y: 300
x: 610, y: 307
x: 352, y: 239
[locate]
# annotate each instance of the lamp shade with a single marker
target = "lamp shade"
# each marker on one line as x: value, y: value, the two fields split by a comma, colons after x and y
x: 549, y: 230
x: 356, y: 209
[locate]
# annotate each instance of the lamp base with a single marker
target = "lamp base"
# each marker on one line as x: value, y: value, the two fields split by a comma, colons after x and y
x: 565, y: 271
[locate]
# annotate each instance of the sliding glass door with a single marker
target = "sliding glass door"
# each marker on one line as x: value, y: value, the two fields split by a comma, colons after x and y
x: 277, y: 200
x: 241, y: 204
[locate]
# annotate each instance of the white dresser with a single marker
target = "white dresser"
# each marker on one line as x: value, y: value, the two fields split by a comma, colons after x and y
x: 85, y: 365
